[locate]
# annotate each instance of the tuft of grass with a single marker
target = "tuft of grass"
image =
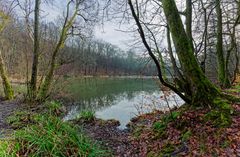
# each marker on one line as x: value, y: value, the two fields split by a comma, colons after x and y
x: 54, y: 108
x: 162, y: 125
x: 50, y: 137
x: 87, y: 115
x: 20, y: 119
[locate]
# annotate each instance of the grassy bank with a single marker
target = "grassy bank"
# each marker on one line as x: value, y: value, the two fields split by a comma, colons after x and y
x: 47, y: 135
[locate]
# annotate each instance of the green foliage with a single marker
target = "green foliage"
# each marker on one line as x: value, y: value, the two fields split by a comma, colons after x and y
x: 237, y: 87
x: 171, y: 117
x: 225, y: 144
x: 137, y: 131
x: 54, y: 108
x: 186, y: 135
x: 161, y: 126
x: 221, y: 115
x: 219, y: 118
x: 19, y: 119
x: 167, y: 149
x: 8, y: 148
x: 50, y: 137
x: 87, y: 115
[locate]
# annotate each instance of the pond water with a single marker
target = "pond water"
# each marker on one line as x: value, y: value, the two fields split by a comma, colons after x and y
x: 116, y: 98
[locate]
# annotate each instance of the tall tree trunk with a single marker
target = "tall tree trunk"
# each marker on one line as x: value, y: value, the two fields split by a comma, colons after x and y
x: 44, y: 89
x: 222, y: 74
x: 189, y: 21
x: 203, y: 91
x: 8, y: 91
x: 45, y: 86
x: 177, y: 73
x: 33, y: 83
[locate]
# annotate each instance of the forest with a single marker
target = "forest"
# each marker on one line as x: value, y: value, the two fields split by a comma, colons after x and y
x: 169, y: 86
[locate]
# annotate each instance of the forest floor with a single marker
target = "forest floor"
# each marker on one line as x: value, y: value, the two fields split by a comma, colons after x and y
x: 189, y: 134
x: 7, y: 108
x: 185, y: 131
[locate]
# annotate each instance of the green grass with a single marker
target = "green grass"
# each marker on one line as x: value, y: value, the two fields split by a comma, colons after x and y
x: 54, y: 108
x: 87, y: 115
x: 161, y: 125
x: 18, y: 89
x: 48, y: 136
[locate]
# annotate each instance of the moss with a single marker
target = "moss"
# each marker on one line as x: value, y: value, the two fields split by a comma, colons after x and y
x: 185, y: 136
x: 152, y: 154
x: 167, y: 149
x: 160, y: 127
x: 202, y: 147
x: 200, y: 86
x: 225, y: 144
x: 220, y: 115
x: 137, y: 131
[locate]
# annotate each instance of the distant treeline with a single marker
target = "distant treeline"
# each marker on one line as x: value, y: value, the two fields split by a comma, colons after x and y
x: 95, y: 57
x: 80, y: 56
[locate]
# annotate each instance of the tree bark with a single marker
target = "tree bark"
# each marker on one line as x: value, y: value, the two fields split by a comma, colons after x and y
x: 8, y: 91
x: 222, y: 74
x: 203, y: 91
x: 44, y: 88
x: 189, y: 21
x: 33, y: 83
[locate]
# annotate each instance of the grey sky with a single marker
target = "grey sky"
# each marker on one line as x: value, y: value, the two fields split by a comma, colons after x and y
x: 108, y: 32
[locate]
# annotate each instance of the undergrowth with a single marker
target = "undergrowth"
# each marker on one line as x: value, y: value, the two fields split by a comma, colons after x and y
x: 87, y: 115
x: 47, y: 135
x: 220, y: 115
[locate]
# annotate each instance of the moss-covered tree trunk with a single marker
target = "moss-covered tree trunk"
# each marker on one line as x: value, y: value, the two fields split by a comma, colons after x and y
x: 69, y: 20
x: 222, y: 70
x: 203, y: 92
x: 44, y: 89
x: 8, y: 91
x: 32, y: 90
x: 189, y: 21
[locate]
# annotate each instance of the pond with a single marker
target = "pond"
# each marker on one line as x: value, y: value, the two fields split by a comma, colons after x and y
x: 116, y: 98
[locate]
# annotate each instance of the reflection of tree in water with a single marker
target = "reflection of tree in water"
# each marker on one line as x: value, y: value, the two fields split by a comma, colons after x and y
x: 99, y: 94
x: 98, y: 87
x: 101, y: 103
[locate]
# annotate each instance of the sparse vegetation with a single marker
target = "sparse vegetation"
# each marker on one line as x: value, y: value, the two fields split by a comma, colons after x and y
x: 87, y: 115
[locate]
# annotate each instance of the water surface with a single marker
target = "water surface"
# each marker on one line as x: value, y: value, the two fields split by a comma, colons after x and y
x: 116, y: 98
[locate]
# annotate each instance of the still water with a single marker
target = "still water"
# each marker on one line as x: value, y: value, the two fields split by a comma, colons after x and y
x: 116, y: 98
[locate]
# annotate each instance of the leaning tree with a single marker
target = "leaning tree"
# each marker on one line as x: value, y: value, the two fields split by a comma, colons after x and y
x: 193, y: 86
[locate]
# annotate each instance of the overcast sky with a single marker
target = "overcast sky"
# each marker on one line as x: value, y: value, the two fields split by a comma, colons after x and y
x: 109, y: 31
